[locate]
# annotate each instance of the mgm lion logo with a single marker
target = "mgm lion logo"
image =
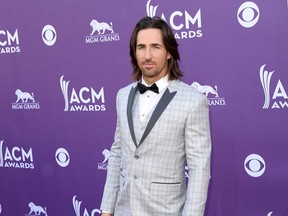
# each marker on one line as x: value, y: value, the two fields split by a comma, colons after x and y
x: 205, y: 89
x: 24, y: 96
x: 37, y: 209
x: 106, y: 154
x: 100, y: 26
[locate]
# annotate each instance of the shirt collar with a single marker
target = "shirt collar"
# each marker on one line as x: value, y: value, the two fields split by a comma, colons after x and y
x: 161, y: 83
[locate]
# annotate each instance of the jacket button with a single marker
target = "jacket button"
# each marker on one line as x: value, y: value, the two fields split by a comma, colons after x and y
x: 136, y: 157
x: 135, y: 177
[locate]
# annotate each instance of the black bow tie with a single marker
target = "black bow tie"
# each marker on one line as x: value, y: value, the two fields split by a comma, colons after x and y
x: 142, y: 88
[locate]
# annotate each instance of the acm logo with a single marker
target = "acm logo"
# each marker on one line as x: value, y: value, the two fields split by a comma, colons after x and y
x: 16, y: 157
x: 9, y: 42
x: 279, y: 98
x: 185, y: 24
x: 77, y: 209
x: 84, y: 99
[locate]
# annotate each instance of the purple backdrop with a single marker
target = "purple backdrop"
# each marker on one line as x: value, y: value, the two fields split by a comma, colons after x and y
x: 60, y: 72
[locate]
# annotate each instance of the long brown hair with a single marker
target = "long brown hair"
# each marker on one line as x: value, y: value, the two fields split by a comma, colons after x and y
x: 170, y: 44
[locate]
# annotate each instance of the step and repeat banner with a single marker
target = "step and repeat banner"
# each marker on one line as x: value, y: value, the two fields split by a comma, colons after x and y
x: 62, y: 63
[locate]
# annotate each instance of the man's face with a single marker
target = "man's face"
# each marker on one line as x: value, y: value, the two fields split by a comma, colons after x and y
x: 151, y: 54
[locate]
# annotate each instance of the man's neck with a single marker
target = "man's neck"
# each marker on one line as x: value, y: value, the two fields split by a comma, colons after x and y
x: 150, y: 80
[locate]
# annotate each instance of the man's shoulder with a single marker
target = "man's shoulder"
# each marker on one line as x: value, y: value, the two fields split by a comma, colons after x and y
x: 187, y: 90
x: 126, y: 89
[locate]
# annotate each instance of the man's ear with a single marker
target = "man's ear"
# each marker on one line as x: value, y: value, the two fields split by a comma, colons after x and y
x: 168, y: 56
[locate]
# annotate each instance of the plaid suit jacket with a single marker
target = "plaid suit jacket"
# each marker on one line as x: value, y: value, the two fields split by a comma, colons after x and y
x: 146, y: 175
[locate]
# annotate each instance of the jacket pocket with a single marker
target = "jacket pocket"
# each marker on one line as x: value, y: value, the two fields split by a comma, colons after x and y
x: 122, y: 180
x: 165, y: 188
x: 167, y: 197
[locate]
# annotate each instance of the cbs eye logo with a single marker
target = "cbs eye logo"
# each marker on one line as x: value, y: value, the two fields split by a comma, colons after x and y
x: 49, y: 35
x: 254, y: 165
x: 248, y: 14
x: 62, y: 157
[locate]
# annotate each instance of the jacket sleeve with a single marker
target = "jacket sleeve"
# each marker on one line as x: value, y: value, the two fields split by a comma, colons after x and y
x: 198, y: 153
x: 112, y: 184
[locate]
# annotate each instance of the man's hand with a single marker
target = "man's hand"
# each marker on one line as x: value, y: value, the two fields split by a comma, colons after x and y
x: 106, y: 214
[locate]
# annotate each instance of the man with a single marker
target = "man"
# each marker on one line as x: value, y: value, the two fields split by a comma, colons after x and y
x: 157, y: 133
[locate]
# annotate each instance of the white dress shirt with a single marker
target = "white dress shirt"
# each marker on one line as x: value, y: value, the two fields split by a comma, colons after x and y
x: 149, y: 99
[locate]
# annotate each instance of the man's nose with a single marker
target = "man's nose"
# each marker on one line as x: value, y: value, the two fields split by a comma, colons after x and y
x: 148, y: 53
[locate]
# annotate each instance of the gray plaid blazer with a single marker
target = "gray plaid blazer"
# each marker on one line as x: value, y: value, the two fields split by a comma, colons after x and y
x: 146, y: 174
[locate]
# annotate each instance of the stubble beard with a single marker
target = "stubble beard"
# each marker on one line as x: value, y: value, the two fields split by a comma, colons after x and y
x: 154, y: 73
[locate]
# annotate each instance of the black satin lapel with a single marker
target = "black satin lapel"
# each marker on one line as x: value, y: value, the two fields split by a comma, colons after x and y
x: 129, y: 113
x: 161, y: 106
